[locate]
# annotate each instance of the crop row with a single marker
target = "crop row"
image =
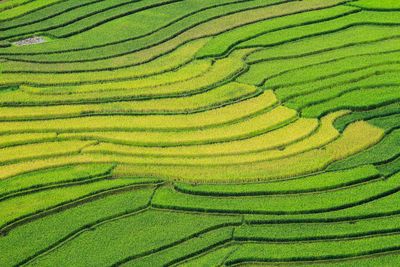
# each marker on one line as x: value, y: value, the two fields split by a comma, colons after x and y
x: 252, y: 167
x: 304, y: 184
x: 37, y: 180
x: 217, y: 97
x: 221, y: 23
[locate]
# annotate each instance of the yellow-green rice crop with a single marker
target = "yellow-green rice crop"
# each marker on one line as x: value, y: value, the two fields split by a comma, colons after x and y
x: 279, y: 137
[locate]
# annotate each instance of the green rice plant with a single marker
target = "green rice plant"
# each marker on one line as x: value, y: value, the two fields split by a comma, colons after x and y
x: 215, y: 98
x: 171, y: 61
x: 185, y: 250
x: 43, y: 13
x: 213, y: 258
x: 313, y: 203
x: 50, y: 231
x: 388, y: 123
x: 285, y: 16
x: 331, y: 69
x: 166, y: 230
x: 12, y: 4
x: 306, y: 31
x: 208, y: 22
x: 317, y: 231
x: 291, y: 65
x: 389, y: 168
x: 341, y: 81
x: 385, y: 150
x: 230, y: 144
x: 31, y: 151
x: 313, y: 251
x: 153, y: 15
x: 25, y: 8
x: 358, y: 35
x: 54, y: 176
x: 383, y: 259
x: 308, y: 183
x: 359, y: 99
x: 317, y: 97
x: 379, y: 206
x: 342, y: 122
x: 77, y: 19
x: 210, y: 118
x: 377, y: 5
x: 22, y: 207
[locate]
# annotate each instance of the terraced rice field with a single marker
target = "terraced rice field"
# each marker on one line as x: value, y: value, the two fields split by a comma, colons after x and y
x: 199, y: 132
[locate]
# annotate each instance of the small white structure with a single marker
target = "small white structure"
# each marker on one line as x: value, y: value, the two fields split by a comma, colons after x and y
x: 30, y: 41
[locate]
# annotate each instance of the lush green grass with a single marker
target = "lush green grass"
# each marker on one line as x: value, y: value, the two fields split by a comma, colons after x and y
x: 377, y: 4
x: 199, y: 133
x: 282, y: 19
x: 21, y: 207
x: 213, y: 258
x: 55, y: 176
x: 136, y: 235
x: 50, y: 231
x: 210, y: 21
x: 185, y: 250
x: 390, y: 109
x: 296, y: 204
x: 77, y: 20
x: 358, y: 35
x: 317, y: 231
x: 301, y: 32
x: 301, y: 252
x: 326, y: 95
x: 360, y: 99
x: 152, y: 65
x: 20, y: 9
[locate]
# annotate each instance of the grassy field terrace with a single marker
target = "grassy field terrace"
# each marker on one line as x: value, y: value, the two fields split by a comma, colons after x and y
x: 199, y: 133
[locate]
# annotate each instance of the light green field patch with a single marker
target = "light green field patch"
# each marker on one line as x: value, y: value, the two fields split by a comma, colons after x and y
x: 22, y: 206
x: 377, y: 4
x: 23, y: 8
x: 220, y: 72
x: 356, y: 137
x: 213, y: 98
x: 170, y: 61
x: 19, y: 139
x: 285, y: 16
x: 307, y: 183
x: 210, y: 118
x: 116, y: 80
x: 243, y: 129
x: 269, y: 140
x: 24, y: 152
x: 52, y: 177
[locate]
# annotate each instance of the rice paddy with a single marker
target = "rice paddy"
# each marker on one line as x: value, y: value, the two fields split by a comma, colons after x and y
x: 199, y: 132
